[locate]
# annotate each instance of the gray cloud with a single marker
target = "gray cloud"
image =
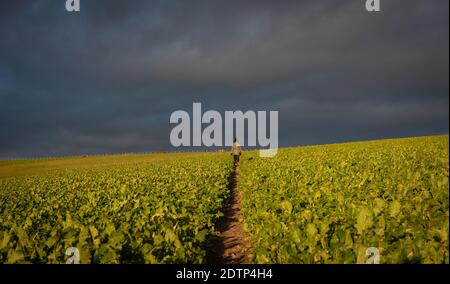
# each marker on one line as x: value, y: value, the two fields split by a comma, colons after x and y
x: 106, y: 79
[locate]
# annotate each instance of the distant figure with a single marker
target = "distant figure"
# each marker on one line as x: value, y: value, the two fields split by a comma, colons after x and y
x: 236, y: 151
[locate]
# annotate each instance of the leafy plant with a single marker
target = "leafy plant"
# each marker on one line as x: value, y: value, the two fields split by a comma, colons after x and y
x: 329, y: 203
x: 155, y: 212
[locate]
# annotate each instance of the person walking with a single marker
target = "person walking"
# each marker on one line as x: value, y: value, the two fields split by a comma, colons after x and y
x: 236, y: 151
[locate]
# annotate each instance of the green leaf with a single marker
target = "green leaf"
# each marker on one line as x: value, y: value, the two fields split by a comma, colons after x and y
x: 395, y: 208
x: 364, y: 220
x: 311, y: 230
x: 15, y: 256
x: 94, y: 232
x: 5, y: 240
x: 295, y: 236
x: 286, y: 206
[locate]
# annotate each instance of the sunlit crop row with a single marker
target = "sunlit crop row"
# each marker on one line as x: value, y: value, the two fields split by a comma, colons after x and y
x: 330, y: 203
x: 158, y: 212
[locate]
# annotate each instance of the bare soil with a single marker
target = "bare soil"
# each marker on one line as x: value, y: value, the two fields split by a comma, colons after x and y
x: 229, y: 246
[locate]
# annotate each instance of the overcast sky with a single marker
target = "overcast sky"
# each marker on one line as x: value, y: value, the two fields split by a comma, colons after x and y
x: 106, y: 79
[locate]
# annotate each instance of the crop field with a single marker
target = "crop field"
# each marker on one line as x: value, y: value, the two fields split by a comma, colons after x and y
x: 149, y: 212
x: 314, y: 204
x: 328, y: 204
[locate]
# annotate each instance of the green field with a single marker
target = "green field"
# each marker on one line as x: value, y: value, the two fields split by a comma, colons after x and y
x: 315, y: 204
x: 149, y: 209
x: 328, y: 204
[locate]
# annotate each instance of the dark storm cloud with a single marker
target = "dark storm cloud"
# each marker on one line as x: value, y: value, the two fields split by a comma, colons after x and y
x: 106, y: 80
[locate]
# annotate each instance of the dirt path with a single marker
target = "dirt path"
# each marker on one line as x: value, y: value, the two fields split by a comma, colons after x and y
x: 230, y: 244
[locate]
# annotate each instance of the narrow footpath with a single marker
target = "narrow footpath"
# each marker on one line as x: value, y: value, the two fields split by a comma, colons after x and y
x: 230, y: 244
